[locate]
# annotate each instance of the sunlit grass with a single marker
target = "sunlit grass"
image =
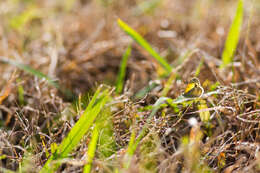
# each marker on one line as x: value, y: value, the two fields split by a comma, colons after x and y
x: 73, y: 138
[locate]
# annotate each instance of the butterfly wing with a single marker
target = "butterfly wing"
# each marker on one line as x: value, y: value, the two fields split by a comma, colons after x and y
x: 189, y: 87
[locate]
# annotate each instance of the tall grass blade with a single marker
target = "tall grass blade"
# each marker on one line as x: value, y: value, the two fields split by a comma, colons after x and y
x: 79, y: 130
x: 92, y: 149
x: 122, y: 71
x: 142, y: 42
x: 233, y: 36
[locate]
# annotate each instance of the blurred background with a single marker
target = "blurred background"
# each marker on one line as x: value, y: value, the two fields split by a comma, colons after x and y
x: 79, y: 43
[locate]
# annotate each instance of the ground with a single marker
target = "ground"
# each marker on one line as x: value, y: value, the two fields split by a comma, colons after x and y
x: 55, y: 55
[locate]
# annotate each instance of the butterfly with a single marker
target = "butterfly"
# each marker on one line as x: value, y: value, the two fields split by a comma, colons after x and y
x: 193, y: 89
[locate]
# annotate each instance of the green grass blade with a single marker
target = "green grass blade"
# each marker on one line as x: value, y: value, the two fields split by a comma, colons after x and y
x: 130, y: 150
x: 146, y: 7
x: 79, y: 130
x: 140, y: 94
x: 21, y: 95
x: 134, y: 143
x: 198, y: 69
x: 122, y: 71
x: 18, y: 22
x: 168, y: 84
x: 92, y: 149
x: 40, y: 75
x: 156, y: 107
x: 31, y: 71
x: 142, y: 42
x: 233, y: 36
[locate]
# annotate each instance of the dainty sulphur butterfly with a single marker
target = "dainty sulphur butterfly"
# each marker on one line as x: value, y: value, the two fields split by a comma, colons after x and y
x: 193, y: 89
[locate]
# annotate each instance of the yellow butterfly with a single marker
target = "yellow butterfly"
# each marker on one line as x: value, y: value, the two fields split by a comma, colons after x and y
x: 193, y: 89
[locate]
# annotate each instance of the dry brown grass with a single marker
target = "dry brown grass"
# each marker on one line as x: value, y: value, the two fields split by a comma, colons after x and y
x: 82, y: 48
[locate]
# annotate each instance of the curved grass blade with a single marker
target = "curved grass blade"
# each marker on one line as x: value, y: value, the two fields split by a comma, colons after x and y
x: 122, y: 70
x: 233, y: 36
x: 142, y: 42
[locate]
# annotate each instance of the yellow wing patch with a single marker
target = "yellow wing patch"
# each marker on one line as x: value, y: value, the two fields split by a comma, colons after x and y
x: 189, y: 87
x: 193, y: 89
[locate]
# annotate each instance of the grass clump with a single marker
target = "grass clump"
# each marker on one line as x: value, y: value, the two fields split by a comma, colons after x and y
x: 78, y: 131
